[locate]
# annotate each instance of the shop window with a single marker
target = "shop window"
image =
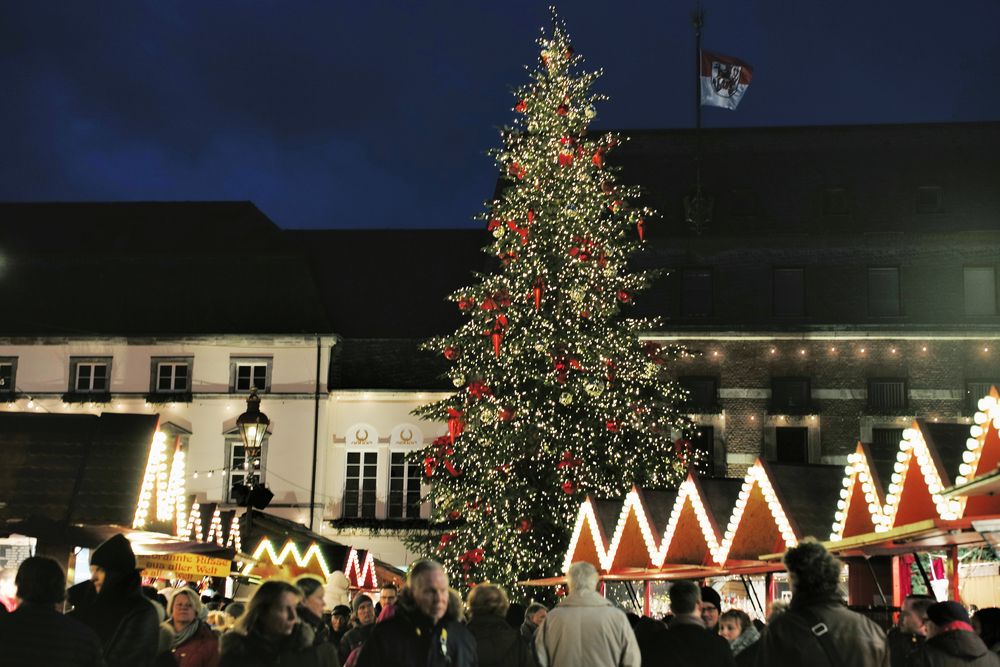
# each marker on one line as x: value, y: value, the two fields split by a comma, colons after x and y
x: 791, y: 444
x: 703, y: 394
x: 359, y: 485
x: 790, y: 396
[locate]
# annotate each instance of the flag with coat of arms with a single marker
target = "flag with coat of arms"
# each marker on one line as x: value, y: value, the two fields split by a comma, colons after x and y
x: 724, y: 79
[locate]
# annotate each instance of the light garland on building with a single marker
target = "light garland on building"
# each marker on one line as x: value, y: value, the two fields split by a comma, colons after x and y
x: 154, y: 466
x: 360, y: 571
x: 913, y: 449
x: 589, y: 516
x: 687, y: 493
x: 756, y: 476
x: 302, y: 560
x: 858, y: 471
x: 631, y: 506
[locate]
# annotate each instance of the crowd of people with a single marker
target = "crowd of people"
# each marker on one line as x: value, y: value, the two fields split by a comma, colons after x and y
x: 115, y: 623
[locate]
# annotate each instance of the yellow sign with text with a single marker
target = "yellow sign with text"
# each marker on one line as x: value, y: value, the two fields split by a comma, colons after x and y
x: 182, y: 566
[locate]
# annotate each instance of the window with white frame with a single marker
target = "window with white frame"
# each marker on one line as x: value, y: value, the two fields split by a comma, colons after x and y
x: 404, y: 487
x: 359, y: 485
x: 247, y: 374
x: 172, y: 376
x: 90, y: 376
x: 241, y: 469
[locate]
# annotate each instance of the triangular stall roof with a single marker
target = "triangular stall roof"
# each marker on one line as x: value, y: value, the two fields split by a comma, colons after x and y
x: 982, y: 455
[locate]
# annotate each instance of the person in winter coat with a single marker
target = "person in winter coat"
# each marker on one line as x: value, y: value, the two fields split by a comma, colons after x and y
x: 497, y: 644
x: 36, y: 633
x: 364, y: 624
x: 269, y: 634
x: 986, y: 623
x: 951, y: 641
x: 687, y: 641
x: 533, y: 617
x: 818, y: 629
x: 193, y: 643
x: 340, y: 623
x: 710, y: 608
x: 585, y: 629
x: 425, y: 630
x: 911, y: 633
x: 310, y: 610
x: 114, y: 607
x: 737, y: 629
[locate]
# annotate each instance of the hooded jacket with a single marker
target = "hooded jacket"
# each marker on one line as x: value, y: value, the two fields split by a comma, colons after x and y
x: 125, y: 621
x: 958, y: 648
x: 498, y: 644
x: 586, y: 630
x: 411, y: 639
x: 296, y: 650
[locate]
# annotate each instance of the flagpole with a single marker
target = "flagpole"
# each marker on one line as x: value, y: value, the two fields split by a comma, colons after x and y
x: 698, y: 209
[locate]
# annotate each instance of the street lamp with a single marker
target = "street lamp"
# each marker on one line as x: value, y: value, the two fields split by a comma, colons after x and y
x: 253, y: 427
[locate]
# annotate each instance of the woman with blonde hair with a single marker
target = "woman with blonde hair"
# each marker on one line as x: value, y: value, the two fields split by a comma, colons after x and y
x: 193, y: 643
x: 498, y: 644
x: 269, y: 633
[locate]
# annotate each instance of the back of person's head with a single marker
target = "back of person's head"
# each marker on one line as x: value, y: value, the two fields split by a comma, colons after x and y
x: 115, y: 555
x: 308, y: 585
x: 775, y: 609
x: 920, y: 603
x: 40, y: 580
x: 420, y: 568
x: 581, y: 576
x: 487, y: 600
x: 192, y: 597
x: 813, y: 571
x: 738, y: 616
x: 684, y: 597
x: 264, y: 600
x: 987, y: 620
x: 235, y: 609
x: 533, y: 609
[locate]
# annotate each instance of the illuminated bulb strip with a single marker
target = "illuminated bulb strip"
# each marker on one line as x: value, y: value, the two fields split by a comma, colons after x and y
x: 359, y: 571
x: 913, y: 446
x: 149, y: 479
x: 756, y: 476
x: 235, y: 540
x: 193, y: 531
x: 215, y: 528
x: 632, y: 504
x: 687, y: 492
x: 176, y: 491
x: 988, y: 418
x: 858, y: 468
x: 290, y: 550
x: 587, y: 514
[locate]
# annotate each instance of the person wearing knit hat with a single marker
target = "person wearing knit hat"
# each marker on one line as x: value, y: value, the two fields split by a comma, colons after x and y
x: 364, y: 622
x: 711, y: 607
x: 952, y: 641
x: 115, y: 608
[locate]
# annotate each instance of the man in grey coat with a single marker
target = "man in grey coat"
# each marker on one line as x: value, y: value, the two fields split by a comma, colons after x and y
x: 585, y: 630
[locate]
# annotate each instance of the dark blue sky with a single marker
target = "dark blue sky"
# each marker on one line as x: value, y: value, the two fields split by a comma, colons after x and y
x: 348, y: 114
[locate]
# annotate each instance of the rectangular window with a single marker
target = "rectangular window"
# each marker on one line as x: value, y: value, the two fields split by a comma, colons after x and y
x: 242, y: 470
x: 696, y: 292
x: 975, y: 390
x: 886, y: 395
x: 703, y: 394
x: 789, y: 292
x: 790, y: 396
x: 883, y: 291
x: 359, y: 486
x: 404, y: 487
x: 702, y: 442
x: 929, y: 199
x: 886, y: 439
x: 90, y: 376
x: 791, y: 444
x: 246, y: 374
x: 8, y: 375
x: 980, y: 290
x: 172, y: 376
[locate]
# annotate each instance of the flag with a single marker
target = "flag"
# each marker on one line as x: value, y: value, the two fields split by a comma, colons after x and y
x: 723, y: 80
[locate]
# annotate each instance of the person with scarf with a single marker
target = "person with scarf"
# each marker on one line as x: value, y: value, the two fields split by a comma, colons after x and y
x: 737, y: 628
x: 310, y: 610
x: 269, y: 633
x: 951, y: 641
x: 193, y: 643
x: 113, y: 606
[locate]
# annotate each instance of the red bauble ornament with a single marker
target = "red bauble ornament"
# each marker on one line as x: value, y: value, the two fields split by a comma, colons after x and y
x: 450, y: 353
x: 624, y: 296
x: 565, y: 159
x: 612, y: 425
x: 569, y: 487
x: 562, y: 109
x: 517, y: 170
x: 454, y: 514
x: 525, y: 525
x: 466, y: 303
x: 445, y: 539
x: 505, y: 414
x: 479, y: 390
x: 598, y: 160
x: 522, y: 106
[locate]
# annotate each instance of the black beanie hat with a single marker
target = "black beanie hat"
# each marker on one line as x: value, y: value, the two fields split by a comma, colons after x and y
x: 944, y: 613
x: 711, y: 596
x: 115, y: 555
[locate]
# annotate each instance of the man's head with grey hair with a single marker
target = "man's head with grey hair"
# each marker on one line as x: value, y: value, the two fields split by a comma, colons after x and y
x: 581, y: 576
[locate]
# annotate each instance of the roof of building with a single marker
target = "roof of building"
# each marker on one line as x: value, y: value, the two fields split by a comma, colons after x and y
x: 73, y: 468
x: 151, y: 268
x: 386, y: 363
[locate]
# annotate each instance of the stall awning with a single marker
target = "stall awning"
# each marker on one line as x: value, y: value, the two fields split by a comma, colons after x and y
x: 987, y: 485
x: 671, y: 572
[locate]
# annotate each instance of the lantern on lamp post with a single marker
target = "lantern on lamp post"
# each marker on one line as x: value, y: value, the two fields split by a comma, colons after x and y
x: 253, y: 428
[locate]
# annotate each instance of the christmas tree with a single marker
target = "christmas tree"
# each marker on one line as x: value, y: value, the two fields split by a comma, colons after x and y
x: 556, y: 395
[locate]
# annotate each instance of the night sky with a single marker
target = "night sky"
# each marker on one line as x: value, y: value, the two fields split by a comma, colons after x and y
x: 378, y: 114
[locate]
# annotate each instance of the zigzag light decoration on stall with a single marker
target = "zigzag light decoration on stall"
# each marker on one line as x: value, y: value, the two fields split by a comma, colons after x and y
x: 360, y: 572
x: 982, y: 454
x: 194, y: 529
x: 631, y: 507
x: 176, y: 489
x: 688, y: 492
x: 151, y: 481
x: 913, y: 452
x: 266, y: 548
x: 858, y: 472
x: 587, y: 515
x: 756, y: 476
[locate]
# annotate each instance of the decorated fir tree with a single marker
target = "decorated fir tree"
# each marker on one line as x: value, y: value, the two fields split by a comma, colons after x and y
x: 556, y: 395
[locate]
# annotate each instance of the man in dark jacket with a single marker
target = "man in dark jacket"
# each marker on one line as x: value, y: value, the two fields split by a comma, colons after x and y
x: 364, y: 623
x: 687, y: 641
x: 115, y: 608
x: 818, y: 629
x: 951, y: 641
x: 36, y: 633
x: 911, y: 633
x: 425, y: 630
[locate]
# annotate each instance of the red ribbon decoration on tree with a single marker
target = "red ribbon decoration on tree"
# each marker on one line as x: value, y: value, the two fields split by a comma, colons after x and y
x: 569, y: 487
x: 455, y: 425
x: 539, y: 286
x: 445, y: 539
x: 505, y: 414
x: 520, y: 231
x: 479, y: 390
x: 568, y: 461
x: 521, y: 106
x: 598, y: 158
x: 612, y: 425
x: 562, y: 367
x: 640, y: 226
x: 583, y: 249
x: 517, y: 171
x: 471, y: 558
